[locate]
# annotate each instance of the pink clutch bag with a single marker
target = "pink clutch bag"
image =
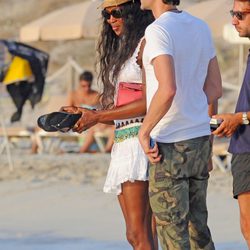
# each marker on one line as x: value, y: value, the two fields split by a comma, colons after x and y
x: 128, y: 92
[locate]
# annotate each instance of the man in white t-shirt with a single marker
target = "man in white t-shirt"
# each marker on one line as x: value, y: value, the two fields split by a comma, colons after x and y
x: 183, y: 85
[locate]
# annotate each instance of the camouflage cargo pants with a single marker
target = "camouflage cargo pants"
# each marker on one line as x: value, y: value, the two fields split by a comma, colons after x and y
x: 177, y: 190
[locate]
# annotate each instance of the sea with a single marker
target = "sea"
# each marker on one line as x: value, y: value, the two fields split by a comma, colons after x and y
x: 85, y: 244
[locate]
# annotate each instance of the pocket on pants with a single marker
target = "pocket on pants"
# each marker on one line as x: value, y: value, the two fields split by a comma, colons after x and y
x: 183, y: 159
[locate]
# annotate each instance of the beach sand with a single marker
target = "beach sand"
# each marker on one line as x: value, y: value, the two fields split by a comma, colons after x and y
x: 54, y: 202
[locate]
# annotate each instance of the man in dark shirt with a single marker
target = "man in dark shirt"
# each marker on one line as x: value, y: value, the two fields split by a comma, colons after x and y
x: 237, y: 125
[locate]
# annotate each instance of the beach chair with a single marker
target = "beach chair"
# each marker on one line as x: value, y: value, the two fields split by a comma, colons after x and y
x: 54, y: 142
x: 12, y: 134
x: 221, y: 157
x: 7, y: 138
x: 101, y: 139
x: 50, y: 142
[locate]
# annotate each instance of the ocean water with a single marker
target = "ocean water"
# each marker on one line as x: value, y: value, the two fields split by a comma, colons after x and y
x: 84, y: 244
x: 60, y: 244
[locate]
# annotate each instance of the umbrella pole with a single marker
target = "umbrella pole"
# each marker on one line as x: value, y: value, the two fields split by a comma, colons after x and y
x: 6, y: 142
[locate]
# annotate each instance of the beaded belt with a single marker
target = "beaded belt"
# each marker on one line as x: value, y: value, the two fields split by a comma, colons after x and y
x: 127, y: 122
x: 126, y: 133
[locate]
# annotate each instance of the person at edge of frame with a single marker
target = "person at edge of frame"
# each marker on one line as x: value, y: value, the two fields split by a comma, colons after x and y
x: 183, y: 84
x: 120, y: 56
x: 237, y: 126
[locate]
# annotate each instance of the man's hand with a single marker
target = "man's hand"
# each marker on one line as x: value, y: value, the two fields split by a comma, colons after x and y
x: 152, y: 153
x: 229, y: 125
x: 87, y: 119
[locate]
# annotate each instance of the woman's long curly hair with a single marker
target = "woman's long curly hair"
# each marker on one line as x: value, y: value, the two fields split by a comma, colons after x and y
x: 115, y: 50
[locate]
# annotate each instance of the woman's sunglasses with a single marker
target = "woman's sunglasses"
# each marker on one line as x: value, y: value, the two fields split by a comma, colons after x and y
x: 240, y: 15
x: 116, y: 13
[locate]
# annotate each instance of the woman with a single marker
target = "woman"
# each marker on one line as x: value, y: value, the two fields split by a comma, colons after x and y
x: 120, y: 50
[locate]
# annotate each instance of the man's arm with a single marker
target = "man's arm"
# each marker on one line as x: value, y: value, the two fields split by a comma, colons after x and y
x: 230, y: 123
x: 213, y: 91
x: 161, y: 101
x: 213, y: 84
x: 212, y: 110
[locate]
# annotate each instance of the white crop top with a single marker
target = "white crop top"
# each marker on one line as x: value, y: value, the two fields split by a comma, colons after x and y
x: 130, y: 72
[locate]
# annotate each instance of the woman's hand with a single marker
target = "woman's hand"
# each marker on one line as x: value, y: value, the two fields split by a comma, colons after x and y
x: 88, y: 118
x: 70, y: 109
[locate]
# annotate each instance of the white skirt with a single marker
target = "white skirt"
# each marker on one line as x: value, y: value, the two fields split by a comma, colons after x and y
x: 128, y: 163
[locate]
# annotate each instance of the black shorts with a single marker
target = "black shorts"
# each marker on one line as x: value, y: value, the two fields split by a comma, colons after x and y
x: 241, y: 174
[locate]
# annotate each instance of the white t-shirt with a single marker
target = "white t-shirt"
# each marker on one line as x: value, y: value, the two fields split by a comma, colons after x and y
x: 188, y: 40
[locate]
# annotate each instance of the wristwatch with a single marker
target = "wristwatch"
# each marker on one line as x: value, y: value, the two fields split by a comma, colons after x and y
x: 245, y: 120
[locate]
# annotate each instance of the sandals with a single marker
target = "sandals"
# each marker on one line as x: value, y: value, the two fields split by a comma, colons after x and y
x: 58, y: 121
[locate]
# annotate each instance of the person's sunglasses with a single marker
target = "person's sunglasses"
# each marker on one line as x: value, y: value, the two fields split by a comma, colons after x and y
x: 116, y: 13
x: 240, y: 15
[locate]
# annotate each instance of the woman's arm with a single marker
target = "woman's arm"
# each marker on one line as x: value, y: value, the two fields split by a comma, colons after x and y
x: 91, y: 117
x: 131, y: 110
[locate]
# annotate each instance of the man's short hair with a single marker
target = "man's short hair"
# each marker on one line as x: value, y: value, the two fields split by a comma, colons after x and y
x: 86, y: 76
x: 173, y: 2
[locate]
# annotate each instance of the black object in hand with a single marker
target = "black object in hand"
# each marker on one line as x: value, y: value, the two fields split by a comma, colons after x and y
x: 215, y: 123
x: 58, y: 121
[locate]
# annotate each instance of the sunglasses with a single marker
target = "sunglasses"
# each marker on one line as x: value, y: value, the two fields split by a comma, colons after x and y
x: 116, y: 13
x: 240, y: 15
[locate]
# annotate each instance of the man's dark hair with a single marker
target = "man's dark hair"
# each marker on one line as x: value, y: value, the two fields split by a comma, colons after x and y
x: 174, y: 2
x: 86, y: 76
